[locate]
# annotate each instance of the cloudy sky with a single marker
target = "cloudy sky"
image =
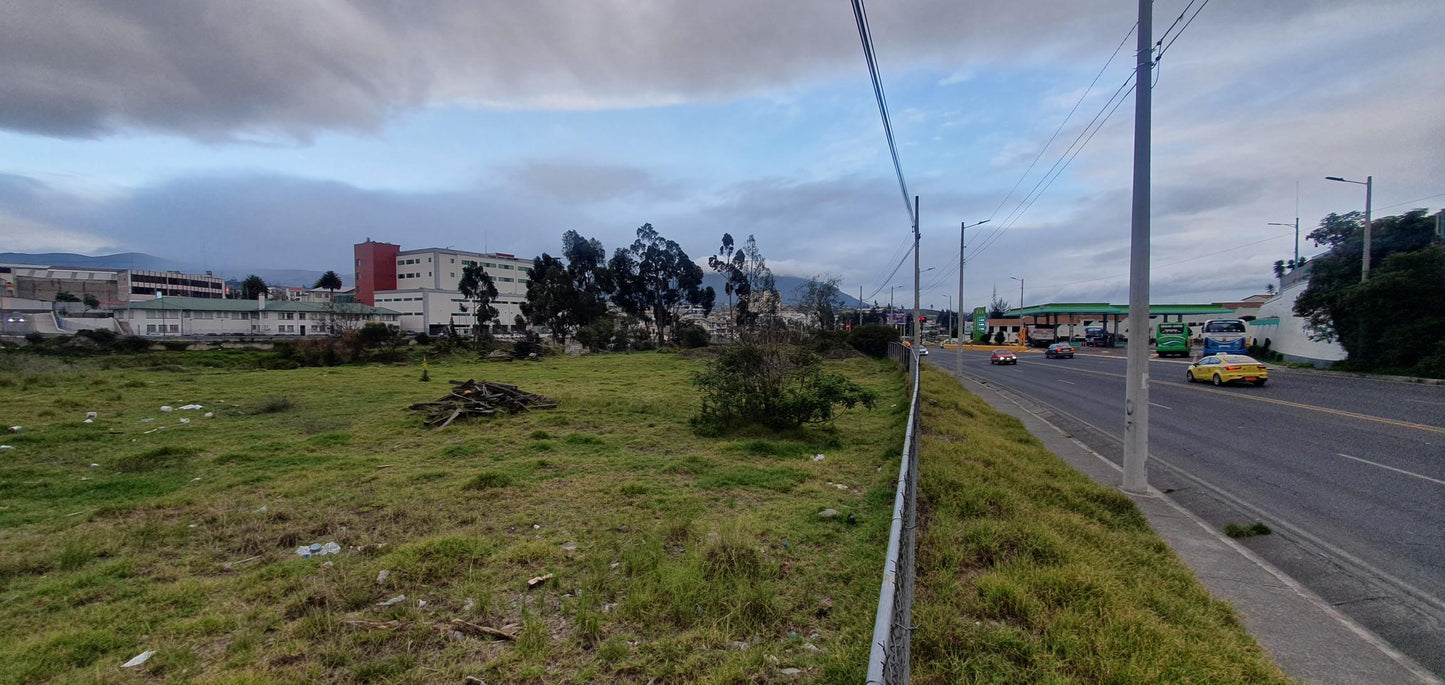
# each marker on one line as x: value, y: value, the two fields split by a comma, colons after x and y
x: 275, y: 134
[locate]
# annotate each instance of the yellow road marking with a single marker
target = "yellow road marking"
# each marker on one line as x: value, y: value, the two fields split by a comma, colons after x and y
x: 1285, y: 403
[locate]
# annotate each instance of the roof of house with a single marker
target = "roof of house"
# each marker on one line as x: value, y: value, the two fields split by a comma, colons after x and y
x: 219, y: 305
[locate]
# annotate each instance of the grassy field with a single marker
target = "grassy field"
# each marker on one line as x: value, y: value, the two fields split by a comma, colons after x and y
x: 674, y: 557
x: 1029, y: 572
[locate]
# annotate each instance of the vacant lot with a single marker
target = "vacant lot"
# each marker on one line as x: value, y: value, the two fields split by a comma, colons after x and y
x: 672, y: 556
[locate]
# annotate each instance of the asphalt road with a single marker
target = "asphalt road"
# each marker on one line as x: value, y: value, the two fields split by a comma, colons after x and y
x: 1348, y: 472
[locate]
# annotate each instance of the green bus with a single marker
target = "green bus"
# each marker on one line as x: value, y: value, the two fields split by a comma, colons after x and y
x: 1172, y: 339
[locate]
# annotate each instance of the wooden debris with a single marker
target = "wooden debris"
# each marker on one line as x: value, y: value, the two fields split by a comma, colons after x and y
x: 506, y: 632
x: 479, y: 398
x: 538, y: 581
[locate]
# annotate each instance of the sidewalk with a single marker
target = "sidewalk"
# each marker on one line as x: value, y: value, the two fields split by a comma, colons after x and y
x: 1310, y: 640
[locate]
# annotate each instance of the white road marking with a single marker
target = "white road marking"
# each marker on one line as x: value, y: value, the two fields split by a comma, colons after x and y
x: 1391, y: 468
x: 1069, y: 382
x: 1152, y: 404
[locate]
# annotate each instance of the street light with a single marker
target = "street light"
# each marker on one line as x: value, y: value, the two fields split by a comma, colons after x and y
x: 1021, y: 293
x: 1369, y: 184
x: 1296, y: 237
x: 958, y: 351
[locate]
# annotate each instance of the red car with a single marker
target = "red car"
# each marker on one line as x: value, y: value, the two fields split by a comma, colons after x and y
x: 1003, y: 357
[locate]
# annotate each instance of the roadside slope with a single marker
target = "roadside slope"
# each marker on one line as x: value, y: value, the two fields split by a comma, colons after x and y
x: 1030, y: 572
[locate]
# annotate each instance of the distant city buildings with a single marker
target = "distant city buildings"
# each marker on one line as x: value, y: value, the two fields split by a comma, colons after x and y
x: 192, y: 316
x: 110, y: 287
x: 422, y: 284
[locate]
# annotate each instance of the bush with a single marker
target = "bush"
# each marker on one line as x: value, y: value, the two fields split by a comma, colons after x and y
x: 131, y: 344
x: 691, y: 335
x: 873, y: 339
x: 102, y: 336
x: 34, y: 338
x: 176, y: 345
x: 999, y: 337
x: 423, y: 339
x: 774, y: 384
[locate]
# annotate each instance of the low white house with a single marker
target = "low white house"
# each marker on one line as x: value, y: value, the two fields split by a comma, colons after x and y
x: 192, y: 316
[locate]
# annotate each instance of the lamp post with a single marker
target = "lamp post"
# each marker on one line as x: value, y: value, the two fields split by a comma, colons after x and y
x: 1296, y: 237
x: 1369, y: 184
x: 1021, y: 293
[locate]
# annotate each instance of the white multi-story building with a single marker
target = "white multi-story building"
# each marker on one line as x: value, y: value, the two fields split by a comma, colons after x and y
x: 422, y: 285
x: 192, y: 316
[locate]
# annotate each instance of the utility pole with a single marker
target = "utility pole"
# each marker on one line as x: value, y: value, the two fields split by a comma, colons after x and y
x: 1136, y: 387
x: 1365, y: 268
x: 860, y: 305
x: 917, y: 330
x: 958, y: 351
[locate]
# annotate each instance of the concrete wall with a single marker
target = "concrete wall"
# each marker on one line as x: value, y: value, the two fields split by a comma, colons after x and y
x: 1286, y: 332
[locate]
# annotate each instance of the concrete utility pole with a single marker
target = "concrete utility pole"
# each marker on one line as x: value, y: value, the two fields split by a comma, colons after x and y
x: 860, y: 305
x: 917, y: 329
x: 958, y: 353
x: 1136, y: 388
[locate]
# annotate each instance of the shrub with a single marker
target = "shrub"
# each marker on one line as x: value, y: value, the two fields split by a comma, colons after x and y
x: 691, y: 336
x: 873, y: 339
x: 101, y: 336
x: 423, y: 339
x: 774, y: 384
x: 34, y: 338
x: 998, y: 337
x: 176, y: 345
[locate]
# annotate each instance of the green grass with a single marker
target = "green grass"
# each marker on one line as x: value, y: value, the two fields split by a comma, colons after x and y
x: 1240, y: 530
x: 665, y: 547
x: 1031, y: 572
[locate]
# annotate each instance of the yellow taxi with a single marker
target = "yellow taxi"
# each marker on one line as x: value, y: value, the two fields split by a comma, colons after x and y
x: 1228, y: 368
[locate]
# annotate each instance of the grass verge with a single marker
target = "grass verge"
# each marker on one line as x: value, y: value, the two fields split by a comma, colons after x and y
x: 1030, y: 572
x: 671, y: 557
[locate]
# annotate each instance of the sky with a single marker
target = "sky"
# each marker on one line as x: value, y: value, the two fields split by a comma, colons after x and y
x: 274, y: 134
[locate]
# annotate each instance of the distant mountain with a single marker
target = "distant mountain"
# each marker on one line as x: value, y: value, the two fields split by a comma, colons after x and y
x: 143, y: 262
x: 125, y: 260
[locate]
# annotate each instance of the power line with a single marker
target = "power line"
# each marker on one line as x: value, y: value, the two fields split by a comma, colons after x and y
x: 1181, y: 29
x: 1077, y: 146
x: 860, y: 16
x: 894, y: 272
x: 1080, y: 101
x: 1397, y: 204
x: 1171, y: 26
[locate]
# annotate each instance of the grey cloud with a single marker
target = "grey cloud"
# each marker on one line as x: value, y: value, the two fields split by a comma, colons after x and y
x: 588, y: 182
x: 235, y: 71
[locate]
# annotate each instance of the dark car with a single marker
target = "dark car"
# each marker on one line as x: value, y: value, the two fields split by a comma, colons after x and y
x: 1003, y: 357
x: 1059, y: 351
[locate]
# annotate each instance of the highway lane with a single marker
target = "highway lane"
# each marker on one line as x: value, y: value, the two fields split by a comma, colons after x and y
x: 1349, y: 472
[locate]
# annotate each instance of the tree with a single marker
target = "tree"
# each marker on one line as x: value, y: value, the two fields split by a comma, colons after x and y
x: 63, y: 296
x: 654, y: 278
x: 747, y: 278
x: 819, y: 298
x: 1269, y: 288
x: 998, y: 307
x: 1368, y: 318
x: 551, y: 297
x: 478, y: 289
x: 253, y: 287
x: 91, y: 302
x: 329, y: 281
x: 587, y: 267
x: 1279, y: 268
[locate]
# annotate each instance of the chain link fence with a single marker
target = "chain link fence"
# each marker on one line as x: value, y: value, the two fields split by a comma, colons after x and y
x: 892, y: 628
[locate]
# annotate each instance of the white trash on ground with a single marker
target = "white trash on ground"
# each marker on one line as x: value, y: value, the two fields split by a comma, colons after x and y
x: 818, y: 458
x: 167, y: 408
x: 393, y: 601
x: 139, y: 659
x: 317, y: 549
x: 191, y: 406
x: 91, y: 415
x: 209, y: 414
x: 381, y: 577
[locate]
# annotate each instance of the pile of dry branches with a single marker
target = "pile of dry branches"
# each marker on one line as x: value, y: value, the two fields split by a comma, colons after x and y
x: 479, y: 398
